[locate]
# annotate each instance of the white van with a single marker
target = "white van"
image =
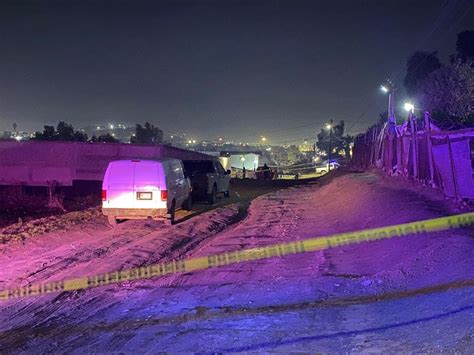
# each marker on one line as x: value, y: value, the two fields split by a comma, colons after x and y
x: 139, y: 189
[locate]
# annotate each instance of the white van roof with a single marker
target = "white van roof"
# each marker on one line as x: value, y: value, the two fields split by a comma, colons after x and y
x: 138, y: 160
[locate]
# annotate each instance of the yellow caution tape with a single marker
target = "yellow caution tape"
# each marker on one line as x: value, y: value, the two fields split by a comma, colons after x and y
x: 212, y: 261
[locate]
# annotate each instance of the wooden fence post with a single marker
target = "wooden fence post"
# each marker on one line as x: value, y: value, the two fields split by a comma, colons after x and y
x: 414, y: 149
x: 429, y: 147
x: 453, y: 170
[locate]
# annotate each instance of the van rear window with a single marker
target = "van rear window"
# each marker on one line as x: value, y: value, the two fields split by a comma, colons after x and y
x: 121, y: 174
x: 204, y: 166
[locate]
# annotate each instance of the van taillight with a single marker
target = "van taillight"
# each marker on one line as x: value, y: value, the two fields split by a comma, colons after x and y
x: 104, y: 195
x: 164, y: 195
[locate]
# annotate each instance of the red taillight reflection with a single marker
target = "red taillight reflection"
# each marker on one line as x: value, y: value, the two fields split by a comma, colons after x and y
x: 104, y: 195
x: 164, y: 195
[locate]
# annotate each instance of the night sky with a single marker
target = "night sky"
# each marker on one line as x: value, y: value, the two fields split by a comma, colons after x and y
x: 239, y: 69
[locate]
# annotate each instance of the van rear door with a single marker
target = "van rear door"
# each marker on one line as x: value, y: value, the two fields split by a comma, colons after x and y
x: 119, y: 185
x: 149, y: 181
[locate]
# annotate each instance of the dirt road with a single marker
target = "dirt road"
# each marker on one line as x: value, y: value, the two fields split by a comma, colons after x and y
x: 406, y: 294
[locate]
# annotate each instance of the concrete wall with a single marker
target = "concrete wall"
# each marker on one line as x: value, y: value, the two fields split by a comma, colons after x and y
x: 34, y: 163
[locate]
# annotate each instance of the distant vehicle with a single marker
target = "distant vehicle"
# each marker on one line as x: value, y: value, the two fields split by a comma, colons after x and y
x: 208, y: 178
x: 323, y: 168
x: 140, y: 189
x: 265, y: 173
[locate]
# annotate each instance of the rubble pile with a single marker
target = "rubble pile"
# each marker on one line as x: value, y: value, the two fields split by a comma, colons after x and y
x: 22, y: 230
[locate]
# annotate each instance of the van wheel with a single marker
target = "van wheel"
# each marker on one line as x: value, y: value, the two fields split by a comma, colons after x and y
x: 112, y: 220
x: 188, y: 204
x: 227, y: 193
x: 211, y: 198
x: 172, y: 212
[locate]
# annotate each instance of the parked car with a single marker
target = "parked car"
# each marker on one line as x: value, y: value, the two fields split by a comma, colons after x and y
x: 323, y: 168
x: 208, y: 178
x: 265, y: 173
x: 140, y: 189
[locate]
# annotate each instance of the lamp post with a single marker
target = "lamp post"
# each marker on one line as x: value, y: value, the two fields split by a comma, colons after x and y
x: 389, y: 88
x: 329, y: 127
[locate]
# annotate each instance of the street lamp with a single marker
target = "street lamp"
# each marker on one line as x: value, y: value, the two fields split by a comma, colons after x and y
x: 264, y: 139
x: 409, y: 107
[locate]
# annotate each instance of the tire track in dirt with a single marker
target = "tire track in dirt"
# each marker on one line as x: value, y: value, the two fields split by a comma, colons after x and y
x: 50, y: 314
x: 184, y: 242
x: 241, y: 235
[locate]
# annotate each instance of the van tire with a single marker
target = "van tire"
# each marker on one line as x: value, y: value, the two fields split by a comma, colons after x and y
x: 227, y: 193
x: 188, y: 203
x: 112, y: 220
x: 212, y: 197
x: 172, y: 212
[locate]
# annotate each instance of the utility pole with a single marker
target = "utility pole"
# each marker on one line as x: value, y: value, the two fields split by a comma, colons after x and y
x: 387, y: 160
x: 389, y: 88
x: 391, y: 110
x: 330, y: 145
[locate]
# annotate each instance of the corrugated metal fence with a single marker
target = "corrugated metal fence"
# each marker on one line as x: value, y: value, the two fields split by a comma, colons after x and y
x: 419, y: 151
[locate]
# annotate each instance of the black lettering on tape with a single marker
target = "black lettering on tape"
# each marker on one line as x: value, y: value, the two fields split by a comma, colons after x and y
x: 212, y: 261
x: 155, y: 270
x: 112, y: 277
x: 251, y: 254
x: 51, y: 287
x: 353, y: 238
x: 394, y: 232
x: 125, y: 275
x: 101, y: 280
x: 221, y: 259
x: 13, y: 293
x: 464, y: 221
x: 272, y: 251
x: 261, y: 253
x: 134, y: 274
x: 422, y: 228
x: 145, y: 271
x: 233, y: 257
x: 169, y: 268
x: 287, y: 249
x: 180, y: 266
